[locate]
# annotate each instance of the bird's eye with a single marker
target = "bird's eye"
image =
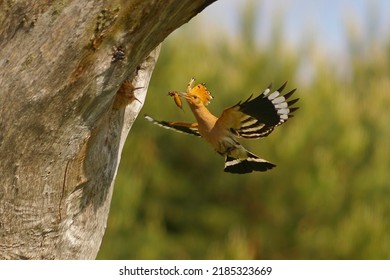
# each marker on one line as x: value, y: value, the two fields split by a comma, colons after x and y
x: 195, y: 97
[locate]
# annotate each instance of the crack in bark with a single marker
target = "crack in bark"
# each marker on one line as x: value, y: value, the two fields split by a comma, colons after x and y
x: 63, y: 190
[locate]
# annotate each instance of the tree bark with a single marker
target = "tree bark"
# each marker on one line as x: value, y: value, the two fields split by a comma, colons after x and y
x: 63, y: 121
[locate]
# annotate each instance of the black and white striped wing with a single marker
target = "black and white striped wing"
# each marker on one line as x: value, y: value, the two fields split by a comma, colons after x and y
x: 182, y: 127
x: 259, y: 116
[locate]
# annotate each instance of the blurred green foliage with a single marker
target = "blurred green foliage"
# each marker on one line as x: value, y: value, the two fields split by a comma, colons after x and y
x: 328, y: 198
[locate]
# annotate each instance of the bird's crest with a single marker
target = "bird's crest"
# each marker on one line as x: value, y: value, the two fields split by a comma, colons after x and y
x: 202, y: 93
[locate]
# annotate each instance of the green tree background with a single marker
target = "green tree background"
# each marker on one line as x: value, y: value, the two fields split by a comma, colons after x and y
x: 328, y: 198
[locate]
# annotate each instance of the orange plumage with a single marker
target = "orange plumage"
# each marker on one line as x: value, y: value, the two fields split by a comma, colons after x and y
x: 252, y: 119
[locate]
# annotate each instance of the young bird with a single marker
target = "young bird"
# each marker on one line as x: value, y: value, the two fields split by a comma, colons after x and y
x: 254, y: 118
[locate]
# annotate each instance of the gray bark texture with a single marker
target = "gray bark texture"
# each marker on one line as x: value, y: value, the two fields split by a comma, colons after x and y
x: 65, y: 115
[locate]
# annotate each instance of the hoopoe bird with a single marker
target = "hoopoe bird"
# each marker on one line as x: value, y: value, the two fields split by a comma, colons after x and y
x: 252, y: 119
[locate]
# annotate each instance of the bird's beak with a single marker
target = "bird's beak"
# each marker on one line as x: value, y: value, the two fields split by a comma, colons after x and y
x: 183, y: 94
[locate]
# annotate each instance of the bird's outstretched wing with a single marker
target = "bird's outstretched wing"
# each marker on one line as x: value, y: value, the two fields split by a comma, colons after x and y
x: 257, y: 117
x: 183, y: 127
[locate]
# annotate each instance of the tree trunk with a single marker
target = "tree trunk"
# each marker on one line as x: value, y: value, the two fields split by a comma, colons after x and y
x: 65, y: 114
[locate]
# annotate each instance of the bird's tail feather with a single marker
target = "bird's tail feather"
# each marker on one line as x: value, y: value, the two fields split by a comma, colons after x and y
x: 246, y: 165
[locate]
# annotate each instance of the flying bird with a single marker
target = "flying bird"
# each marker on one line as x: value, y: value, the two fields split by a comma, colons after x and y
x: 252, y: 119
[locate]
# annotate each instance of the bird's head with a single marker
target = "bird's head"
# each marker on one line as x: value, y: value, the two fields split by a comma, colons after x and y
x: 198, y: 96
